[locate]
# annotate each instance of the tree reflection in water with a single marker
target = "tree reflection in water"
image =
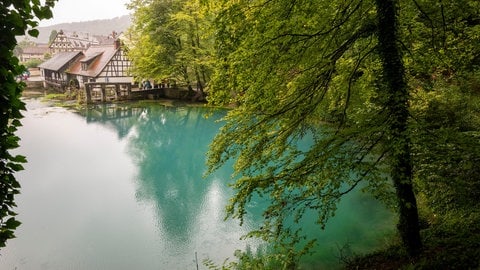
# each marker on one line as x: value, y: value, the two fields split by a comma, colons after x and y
x: 168, y: 145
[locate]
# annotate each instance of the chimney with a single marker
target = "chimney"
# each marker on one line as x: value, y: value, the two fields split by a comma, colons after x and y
x: 117, y: 44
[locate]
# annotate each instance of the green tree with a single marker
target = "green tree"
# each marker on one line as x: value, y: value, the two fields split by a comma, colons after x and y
x: 169, y: 40
x: 387, y: 89
x: 444, y: 73
x: 335, y: 72
x: 33, y: 63
x: 192, y: 26
x: 398, y: 135
x: 16, y: 18
x: 22, y: 45
x: 47, y: 56
x: 152, y: 45
x: 52, y: 36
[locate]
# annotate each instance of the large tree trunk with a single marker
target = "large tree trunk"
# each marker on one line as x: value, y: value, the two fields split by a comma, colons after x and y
x: 397, y: 107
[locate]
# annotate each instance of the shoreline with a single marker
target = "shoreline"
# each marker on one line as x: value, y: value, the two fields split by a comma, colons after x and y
x: 63, y: 100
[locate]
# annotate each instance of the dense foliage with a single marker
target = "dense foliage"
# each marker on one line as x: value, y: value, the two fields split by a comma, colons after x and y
x: 444, y: 77
x: 317, y: 62
x: 16, y: 17
x: 386, y: 93
x: 169, y: 42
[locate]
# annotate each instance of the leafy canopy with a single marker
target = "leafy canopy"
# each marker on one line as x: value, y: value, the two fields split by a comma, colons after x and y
x: 170, y: 40
x: 316, y: 114
x: 299, y: 70
x: 315, y: 70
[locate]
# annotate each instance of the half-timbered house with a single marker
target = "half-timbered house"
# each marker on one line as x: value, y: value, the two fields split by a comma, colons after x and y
x: 53, y: 70
x: 65, y: 42
x: 98, y: 69
x: 102, y: 64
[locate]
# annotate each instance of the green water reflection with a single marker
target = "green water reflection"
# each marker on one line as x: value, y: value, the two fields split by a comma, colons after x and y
x: 121, y: 187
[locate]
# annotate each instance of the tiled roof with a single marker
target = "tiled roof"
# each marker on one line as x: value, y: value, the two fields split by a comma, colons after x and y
x: 100, y: 57
x: 59, y: 61
x: 40, y: 49
x: 90, y: 57
x: 105, y: 40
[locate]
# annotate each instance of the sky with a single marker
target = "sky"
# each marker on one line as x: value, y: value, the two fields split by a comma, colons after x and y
x: 66, y: 11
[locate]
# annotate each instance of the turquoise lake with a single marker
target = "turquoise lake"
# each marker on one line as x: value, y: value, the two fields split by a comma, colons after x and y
x: 120, y: 187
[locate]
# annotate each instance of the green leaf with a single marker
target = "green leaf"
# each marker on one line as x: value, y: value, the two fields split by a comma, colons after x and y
x: 19, y: 159
x: 33, y: 32
x: 12, y: 223
x: 15, y: 166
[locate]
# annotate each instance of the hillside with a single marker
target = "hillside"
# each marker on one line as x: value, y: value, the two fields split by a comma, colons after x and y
x: 95, y: 27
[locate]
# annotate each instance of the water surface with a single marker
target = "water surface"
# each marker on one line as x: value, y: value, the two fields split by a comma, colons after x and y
x: 121, y: 187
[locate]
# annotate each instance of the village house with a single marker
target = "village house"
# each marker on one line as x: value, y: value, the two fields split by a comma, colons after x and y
x: 102, y: 64
x: 53, y: 70
x: 37, y: 52
x: 105, y: 64
x: 68, y: 42
x: 64, y: 42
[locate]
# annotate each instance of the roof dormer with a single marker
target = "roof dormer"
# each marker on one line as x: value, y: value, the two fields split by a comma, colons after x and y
x: 87, y: 61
